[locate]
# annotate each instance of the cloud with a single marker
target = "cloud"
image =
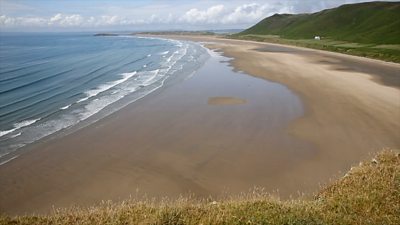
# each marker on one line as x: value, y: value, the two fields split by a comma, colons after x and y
x: 21, y: 21
x: 209, y: 16
x: 216, y: 14
x: 251, y: 13
x: 61, y: 20
x: 246, y: 13
x: 58, y: 20
x: 66, y: 20
x: 242, y: 14
x: 199, y: 14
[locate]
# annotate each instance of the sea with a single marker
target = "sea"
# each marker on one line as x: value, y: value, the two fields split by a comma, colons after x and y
x: 55, y: 83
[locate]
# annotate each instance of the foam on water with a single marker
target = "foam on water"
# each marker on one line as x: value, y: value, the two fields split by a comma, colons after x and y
x: 148, y: 77
x: 18, y: 126
x: 163, y: 53
x: 66, y: 107
x: 8, y: 160
x: 15, y: 135
x: 107, y: 86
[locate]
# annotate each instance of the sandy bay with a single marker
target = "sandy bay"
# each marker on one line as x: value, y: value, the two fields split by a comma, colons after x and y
x: 174, y: 142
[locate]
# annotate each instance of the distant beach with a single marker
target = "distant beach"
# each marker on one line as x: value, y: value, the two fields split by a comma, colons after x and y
x: 283, y: 118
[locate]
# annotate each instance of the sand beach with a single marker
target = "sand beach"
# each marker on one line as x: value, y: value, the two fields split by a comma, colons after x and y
x: 283, y: 118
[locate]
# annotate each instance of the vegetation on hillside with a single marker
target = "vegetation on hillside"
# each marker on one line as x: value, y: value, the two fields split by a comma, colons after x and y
x: 368, y: 194
x: 389, y: 53
x: 369, y: 29
x: 367, y: 23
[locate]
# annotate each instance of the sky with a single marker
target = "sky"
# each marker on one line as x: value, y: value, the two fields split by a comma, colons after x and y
x: 142, y: 15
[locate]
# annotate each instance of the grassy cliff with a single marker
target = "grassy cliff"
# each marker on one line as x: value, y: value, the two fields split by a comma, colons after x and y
x: 368, y: 194
x: 369, y: 29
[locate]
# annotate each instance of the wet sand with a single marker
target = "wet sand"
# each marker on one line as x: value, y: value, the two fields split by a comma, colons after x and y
x: 225, y: 101
x: 352, y: 104
x: 174, y: 142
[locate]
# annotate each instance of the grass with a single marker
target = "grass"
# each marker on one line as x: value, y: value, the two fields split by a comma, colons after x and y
x: 368, y: 194
x: 370, y: 29
x: 390, y: 53
x: 370, y: 22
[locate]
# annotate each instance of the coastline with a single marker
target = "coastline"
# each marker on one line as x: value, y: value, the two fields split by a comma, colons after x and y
x: 135, y: 156
x: 352, y: 107
x: 333, y: 138
x: 347, y: 98
x: 83, y: 112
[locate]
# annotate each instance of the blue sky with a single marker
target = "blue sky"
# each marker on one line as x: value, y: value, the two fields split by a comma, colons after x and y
x: 88, y: 15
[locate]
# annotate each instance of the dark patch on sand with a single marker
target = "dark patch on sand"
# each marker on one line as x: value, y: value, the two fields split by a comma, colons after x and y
x: 225, y: 101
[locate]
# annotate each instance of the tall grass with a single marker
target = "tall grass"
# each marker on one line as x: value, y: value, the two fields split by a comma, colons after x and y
x: 368, y: 194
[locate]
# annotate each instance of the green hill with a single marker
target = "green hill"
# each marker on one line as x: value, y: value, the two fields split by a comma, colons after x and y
x: 367, y: 23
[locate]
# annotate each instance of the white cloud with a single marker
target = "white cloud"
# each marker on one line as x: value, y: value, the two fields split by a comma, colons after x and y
x: 56, y: 18
x: 61, y: 20
x: 21, y: 21
x: 197, y: 14
x: 66, y: 20
x: 109, y: 21
x: 247, y: 13
x: 209, y: 16
x: 242, y: 14
x: 4, y: 20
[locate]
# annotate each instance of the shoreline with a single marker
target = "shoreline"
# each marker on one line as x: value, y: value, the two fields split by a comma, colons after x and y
x: 370, y: 115
x: 347, y: 116
x: 287, y: 47
x: 168, y: 80
x: 201, y: 138
x: 315, y: 115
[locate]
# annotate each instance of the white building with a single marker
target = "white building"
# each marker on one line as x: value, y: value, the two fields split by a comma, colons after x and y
x: 317, y: 38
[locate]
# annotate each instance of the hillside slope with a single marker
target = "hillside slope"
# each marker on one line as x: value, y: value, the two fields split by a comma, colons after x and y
x: 372, y: 22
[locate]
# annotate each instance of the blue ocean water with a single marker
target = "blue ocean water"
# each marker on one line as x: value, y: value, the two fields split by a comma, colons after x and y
x: 50, y: 82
